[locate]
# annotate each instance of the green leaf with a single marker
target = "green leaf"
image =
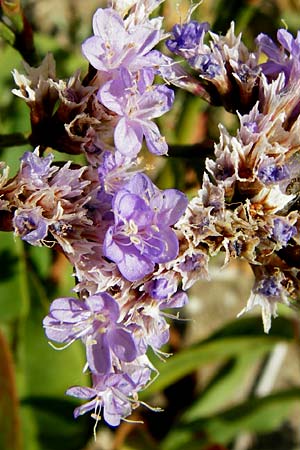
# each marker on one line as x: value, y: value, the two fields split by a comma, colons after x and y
x: 55, y: 427
x: 10, y: 287
x: 257, y: 415
x: 224, y: 386
x: 219, y: 347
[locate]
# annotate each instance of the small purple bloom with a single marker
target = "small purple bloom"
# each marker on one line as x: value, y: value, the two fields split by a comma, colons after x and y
x: 137, y: 102
x: 186, y: 38
x: 113, y: 47
x: 206, y: 65
x: 283, y: 231
x: 272, y: 173
x: 30, y: 225
x: 95, y: 321
x: 110, y: 393
x: 251, y: 126
x: 142, y: 234
x: 35, y: 168
x: 269, y: 287
x: 285, y: 59
x: 161, y: 288
x: 113, y: 171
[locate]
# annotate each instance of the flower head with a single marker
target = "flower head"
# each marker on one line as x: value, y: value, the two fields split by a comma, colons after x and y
x: 186, y: 38
x: 137, y: 102
x: 110, y: 394
x: 142, y: 234
x: 95, y: 321
x: 113, y: 46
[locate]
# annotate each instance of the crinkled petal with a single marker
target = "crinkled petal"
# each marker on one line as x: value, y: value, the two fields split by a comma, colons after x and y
x: 80, y: 410
x: 170, y: 205
x: 81, y: 392
x: 98, y: 354
x: 155, y: 102
x: 69, y: 310
x: 114, y: 409
x: 156, y: 143
x: 170, y: 247
x: 142, y: 186
x: 126, y: 205
x: 110, y: 249
x: 134, y: 267
x: 128, y: 137
x: 286, y: 39
x: 111, y: 95
x: 57, y: 332
x: 108, y: 24
x: 92, y: 49
x: 122, y: 344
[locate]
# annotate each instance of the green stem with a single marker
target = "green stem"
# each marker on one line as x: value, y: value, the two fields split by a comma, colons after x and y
x: 7, y: 34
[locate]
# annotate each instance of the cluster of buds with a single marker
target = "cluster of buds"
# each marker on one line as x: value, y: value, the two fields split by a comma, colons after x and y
x: 136, y: 249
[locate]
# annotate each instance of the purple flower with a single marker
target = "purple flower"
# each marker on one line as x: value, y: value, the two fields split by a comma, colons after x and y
x: 113, y: 171
x: 30, y: 225
x: 207, y: 65
x: 161, y: 288
x: 285, y: 59
x: 272, y: 173
x: 149, y: 317
x: 137, y: 102
x: 110, y: 393
x: 283, y: 231
x: 142, y: 234
x: 35, y: 168
x: 95, y: 321
x: 114, y: 47
x: 186, y: 38
x: 269, y: 287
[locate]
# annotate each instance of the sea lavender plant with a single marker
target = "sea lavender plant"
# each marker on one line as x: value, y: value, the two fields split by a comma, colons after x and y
x: 136, y: 249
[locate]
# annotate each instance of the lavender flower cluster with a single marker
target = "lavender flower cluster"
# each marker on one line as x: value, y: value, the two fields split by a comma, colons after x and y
x: 136, y: 249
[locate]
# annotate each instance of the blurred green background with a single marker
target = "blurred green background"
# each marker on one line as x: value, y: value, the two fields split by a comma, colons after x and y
x: 228, y: 385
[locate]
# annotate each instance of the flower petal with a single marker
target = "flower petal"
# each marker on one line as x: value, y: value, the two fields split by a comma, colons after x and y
x: 128, y: 137
x: 122, y: 344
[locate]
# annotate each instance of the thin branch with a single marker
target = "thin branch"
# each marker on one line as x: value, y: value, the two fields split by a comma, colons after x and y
x: 14, y: 139
x: 200, y: 150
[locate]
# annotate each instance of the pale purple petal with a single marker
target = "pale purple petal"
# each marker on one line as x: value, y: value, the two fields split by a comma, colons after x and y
x: 81, y: 392
x: 80, y: 410
x: 122, y: 344
x: 156, y: 143
x: 128, y: 137
x: 170, y: 247
x: 92, y: 49
x: 108, y: 24
x: 286, y: 39
x: 112, y: 250
x: 105, y: 303
x: 142, y: 186
x: 155, y: 102
x: 126, y: 204
x: 69, y: 310
x: 171, y: 205
x: 55, y: 332
x: 134, y: 267
x: 111, y: 95
x: 98, y: 354
x: 268, y: 46
x: 177, y: 300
